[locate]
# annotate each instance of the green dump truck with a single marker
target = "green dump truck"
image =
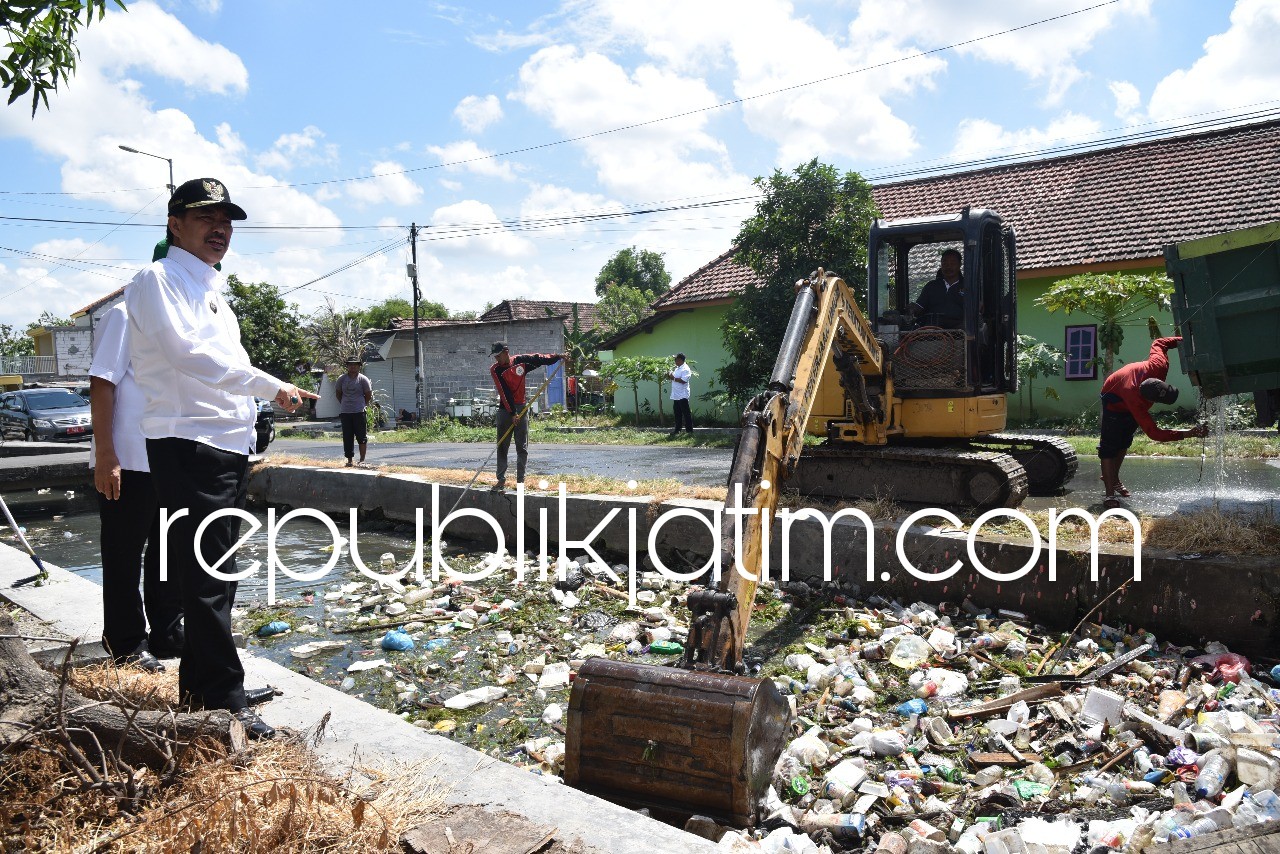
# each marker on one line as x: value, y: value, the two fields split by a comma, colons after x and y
x: 1226, y: 302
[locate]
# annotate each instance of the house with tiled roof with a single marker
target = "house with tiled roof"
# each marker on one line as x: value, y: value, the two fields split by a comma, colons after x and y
x: 539, y: 309
x: 1105, y: 210
x: 63, y: 353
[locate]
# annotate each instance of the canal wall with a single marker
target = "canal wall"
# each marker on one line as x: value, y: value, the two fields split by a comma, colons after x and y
x: 1186, y: 599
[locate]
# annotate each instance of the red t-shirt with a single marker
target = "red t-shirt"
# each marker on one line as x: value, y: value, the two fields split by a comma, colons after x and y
x: 509, y: 381
x: 1125, y: 384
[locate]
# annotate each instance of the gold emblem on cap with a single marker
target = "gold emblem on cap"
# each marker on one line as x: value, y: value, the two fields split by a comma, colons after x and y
x: 215, y: 191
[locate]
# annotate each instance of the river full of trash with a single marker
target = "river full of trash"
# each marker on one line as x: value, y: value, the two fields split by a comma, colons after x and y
x: 917, y: 726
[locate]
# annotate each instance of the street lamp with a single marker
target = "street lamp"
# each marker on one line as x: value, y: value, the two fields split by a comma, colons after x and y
x: 169, y: 160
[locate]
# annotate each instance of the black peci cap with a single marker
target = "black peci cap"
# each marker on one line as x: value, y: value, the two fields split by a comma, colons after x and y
x: 204, y: 193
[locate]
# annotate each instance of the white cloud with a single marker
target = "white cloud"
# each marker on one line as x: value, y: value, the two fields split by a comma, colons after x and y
x: 1128, y: 101
x: 149, y: 39
x: 1044, y: 53
x: 981, y: 138
x: 545, y: 201
x: 475, y: 113
x: 580, y: 94
x: 465, y: 154
x: 390, y: 186
x: 451, y: 186
x: 472, y: 227
x: 1239, y: 67
x: 298, y: 149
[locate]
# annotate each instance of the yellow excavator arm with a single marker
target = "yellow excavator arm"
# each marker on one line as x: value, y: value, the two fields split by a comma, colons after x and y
x: 827, y: 331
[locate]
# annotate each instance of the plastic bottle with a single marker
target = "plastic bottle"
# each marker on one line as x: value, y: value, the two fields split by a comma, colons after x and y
x: 1215, y: 769
x: 910, y: 652
x: 1199, y: 827
x: 1269, y: 803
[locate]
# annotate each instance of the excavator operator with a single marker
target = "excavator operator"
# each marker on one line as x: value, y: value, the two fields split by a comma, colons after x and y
x: 941, y: 301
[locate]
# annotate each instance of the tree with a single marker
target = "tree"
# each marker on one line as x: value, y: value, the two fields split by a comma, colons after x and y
x: 580, y: 344
x: 48, y: 320
x: 15, y: 343
x: 1111, y: 299
x: 379, y: 315
x: 813, y: 217
x: 333, y: 336
x: 270, y: 329
x: 1036, y: 359
x: 42, y: 44
x: 633, y: 370
x: 622, y: 306
x: 643, y: 270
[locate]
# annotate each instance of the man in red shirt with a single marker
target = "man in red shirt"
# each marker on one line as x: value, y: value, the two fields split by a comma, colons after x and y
x: 1127, y: 397
x: 508, y: 375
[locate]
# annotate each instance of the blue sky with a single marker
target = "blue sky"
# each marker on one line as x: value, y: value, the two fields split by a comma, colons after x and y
x: 295, y: 104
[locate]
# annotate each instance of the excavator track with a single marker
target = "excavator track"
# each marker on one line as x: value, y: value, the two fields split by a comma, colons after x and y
x: 1050, y: 462
x: 930, y: 476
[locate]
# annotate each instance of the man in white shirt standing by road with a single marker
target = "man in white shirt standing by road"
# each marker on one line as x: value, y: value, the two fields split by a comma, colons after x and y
x: 679, y: 376
x: 127, y: 508
x: 199, y: 424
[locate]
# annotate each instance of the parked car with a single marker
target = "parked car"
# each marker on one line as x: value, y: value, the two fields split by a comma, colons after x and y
x: 266, y: 424
x: 44, y: 414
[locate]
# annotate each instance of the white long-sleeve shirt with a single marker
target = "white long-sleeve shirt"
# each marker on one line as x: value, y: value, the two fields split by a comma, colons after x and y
x: 187, y: 356
x: 111, y: 363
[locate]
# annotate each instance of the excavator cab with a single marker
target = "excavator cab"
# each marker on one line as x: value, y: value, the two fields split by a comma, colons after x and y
x: 946, y: 343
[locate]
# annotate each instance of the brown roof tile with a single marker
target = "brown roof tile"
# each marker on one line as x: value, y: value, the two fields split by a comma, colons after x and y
x: 722, y: 278
x: 93, y: 305
x: 536, y: 309
x: 1116, y: 204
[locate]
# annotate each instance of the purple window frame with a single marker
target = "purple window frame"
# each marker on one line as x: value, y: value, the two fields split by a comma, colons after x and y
x: 1077, y: 366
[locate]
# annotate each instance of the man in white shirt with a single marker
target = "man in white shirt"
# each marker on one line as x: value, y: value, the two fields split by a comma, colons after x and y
x: 199, y: 424
x: 679, y: 376
x: 127, y: 508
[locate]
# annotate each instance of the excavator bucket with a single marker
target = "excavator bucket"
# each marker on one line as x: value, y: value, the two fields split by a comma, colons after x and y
x: 677, y: 742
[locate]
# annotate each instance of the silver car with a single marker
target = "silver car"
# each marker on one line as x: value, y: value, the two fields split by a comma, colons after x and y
x: 45, y: 414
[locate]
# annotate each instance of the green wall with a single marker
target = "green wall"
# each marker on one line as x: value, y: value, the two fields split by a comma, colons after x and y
x: 696, y: 333
x: 1078, y: 395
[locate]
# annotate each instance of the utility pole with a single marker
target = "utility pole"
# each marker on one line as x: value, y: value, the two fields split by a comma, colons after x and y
x: 417, y: 349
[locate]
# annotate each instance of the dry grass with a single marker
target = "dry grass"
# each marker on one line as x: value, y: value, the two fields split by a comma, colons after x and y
x: 1209, y: 532
x: 1215, y: 532
x: 272, y: 797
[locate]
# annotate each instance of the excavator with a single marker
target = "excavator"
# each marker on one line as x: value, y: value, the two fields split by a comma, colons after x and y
x: 911, y: 407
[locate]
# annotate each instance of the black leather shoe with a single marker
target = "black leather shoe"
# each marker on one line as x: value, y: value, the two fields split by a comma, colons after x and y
x: 254, y: 726
x: 258, y: 696
x: 144, y: 659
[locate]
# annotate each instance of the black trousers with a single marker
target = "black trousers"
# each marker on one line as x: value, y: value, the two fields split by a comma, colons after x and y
x: 683, y: 414
x: 521, y: 435
x: 202, y: 479
x: 130, y: 540
x: 354, y: 429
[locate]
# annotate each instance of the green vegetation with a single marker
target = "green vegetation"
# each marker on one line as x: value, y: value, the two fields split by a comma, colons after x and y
x: 1112, y: 299
x: 809, y: 218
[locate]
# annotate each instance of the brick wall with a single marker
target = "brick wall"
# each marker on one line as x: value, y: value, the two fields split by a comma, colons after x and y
x: 456, y: 360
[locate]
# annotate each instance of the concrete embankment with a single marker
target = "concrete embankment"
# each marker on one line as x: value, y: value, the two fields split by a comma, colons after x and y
x: 360, y: 735
x: 40, y: 465
x: 1187, y: 599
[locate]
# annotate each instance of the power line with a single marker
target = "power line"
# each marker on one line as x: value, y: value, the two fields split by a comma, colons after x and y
x: 718, y: 106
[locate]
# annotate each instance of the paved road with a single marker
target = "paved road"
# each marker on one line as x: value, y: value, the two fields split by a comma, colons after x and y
x: 694, y: 466
x: 1161, y: 485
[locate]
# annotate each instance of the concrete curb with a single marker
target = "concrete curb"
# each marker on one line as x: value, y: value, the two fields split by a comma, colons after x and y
x: 1189, y: 599
x: 361, y: 734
